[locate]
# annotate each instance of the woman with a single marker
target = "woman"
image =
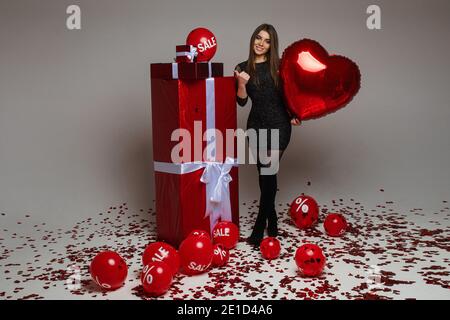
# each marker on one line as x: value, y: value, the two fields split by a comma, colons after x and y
x: 258, y: 79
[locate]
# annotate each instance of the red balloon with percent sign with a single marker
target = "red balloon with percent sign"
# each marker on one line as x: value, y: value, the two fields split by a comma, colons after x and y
x: 226, y: 233
x: 156, y: 278
x: 161, y: 251
x: 304, y: 212
x: 196, y: 254
x: 221, y: 255
x: 335, y: 224
x: 108, y: 270
x: 310, y: 260
x: 270, y: 248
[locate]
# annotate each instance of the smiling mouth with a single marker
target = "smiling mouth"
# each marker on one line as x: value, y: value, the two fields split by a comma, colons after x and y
x: 259, y: 49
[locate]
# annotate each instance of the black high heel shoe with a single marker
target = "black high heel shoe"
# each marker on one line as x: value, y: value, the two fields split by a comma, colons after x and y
x: 254, y: 242
x: 258, y: 230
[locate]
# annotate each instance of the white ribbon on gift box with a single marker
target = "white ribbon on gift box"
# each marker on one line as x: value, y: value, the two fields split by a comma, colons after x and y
x: 216, y: 175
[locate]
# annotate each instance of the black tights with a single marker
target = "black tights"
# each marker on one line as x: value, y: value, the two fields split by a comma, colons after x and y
x: 268, y: 187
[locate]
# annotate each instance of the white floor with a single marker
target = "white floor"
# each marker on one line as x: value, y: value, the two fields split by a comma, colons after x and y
x: 391, y: 251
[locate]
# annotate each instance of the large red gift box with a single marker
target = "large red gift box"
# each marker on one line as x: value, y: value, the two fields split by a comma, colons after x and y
x: 195, y: 194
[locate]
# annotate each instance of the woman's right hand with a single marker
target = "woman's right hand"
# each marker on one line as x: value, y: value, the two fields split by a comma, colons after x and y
x: 296, y: 122
x: 242, y: 77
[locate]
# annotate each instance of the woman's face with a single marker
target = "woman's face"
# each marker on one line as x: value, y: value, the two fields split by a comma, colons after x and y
x: 262, y: 43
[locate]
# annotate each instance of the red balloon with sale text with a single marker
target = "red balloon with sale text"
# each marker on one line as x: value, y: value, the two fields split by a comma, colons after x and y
x: 196, y: 254
x: 199, y: 233
x: 156, y: 278
x: 205, y: 42
x: 108, y: 270
x: 161, y: 251
x: 310, y: 260
x: 226, y: 233
x: 304, y: 212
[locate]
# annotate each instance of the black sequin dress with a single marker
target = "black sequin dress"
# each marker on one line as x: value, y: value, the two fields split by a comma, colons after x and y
x: 268, y: 110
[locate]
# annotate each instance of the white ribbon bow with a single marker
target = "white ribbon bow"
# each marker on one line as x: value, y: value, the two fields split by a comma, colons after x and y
x: 217, y: 178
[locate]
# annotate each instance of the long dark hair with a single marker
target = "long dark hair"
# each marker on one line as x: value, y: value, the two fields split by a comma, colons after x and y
x: 272, y: 55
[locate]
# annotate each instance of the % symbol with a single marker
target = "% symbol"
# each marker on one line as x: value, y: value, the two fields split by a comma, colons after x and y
x: 148, y: 278
x: 220, y: 252
x: 103, y: 285
x: 302, y: 205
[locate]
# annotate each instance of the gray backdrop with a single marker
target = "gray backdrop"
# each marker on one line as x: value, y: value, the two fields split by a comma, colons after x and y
x: 75, y: 116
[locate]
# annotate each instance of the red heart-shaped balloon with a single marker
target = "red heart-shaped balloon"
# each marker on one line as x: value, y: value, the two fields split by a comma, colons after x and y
x: 316, y: 83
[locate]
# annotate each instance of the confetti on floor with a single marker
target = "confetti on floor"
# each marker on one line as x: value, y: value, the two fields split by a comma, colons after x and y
x: 387, y: 253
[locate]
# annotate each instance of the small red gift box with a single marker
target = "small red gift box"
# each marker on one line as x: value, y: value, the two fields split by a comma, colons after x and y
x: 186, y: 53
x: 199, y: 193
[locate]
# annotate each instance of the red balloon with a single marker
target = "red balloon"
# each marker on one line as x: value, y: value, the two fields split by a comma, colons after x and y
x: 316, y: 83
x: 270, y: 248
x: 108, y: 270
x: 221, y: 255
x: 310, y: 260
x: 196, y: 254
x: 304, y: 211
x: 161, y: 251
x: 226, y: 233
x: 335, y: 224
x: 156, y: 278
x: 199, y: 233
x: 205, y: 42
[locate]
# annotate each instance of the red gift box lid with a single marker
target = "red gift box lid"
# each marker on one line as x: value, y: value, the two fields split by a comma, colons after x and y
x: 186, y: 70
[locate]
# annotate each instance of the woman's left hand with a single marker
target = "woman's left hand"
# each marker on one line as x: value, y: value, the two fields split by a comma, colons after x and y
x: 295, y: 122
